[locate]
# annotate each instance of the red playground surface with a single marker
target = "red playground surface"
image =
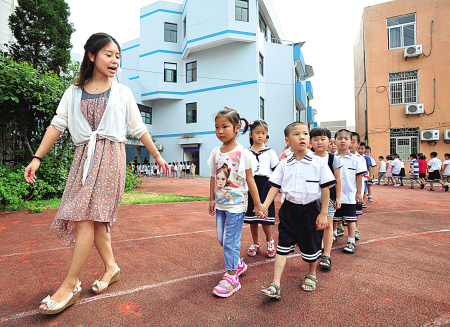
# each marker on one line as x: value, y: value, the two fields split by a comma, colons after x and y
x: 171, y: 260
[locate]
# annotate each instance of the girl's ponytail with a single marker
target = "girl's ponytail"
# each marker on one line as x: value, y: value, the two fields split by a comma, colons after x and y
x: 245, y: 128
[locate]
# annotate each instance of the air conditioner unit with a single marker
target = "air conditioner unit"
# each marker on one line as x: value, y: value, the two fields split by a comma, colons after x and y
x: 414, y: 109
x: 447, y: 135
x: 413, y: 50
x: 430, y: 135
x: 159, y: 147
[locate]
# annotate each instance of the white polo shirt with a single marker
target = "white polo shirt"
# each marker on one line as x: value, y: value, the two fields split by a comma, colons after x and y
x: 301, y: 181
x: 397, y: 166
x: 435, y: 164
x: 351, y: 167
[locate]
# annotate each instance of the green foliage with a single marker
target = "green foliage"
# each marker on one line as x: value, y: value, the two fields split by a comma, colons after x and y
x: 15, y: 192
x: 42, y: 34
x: 28, y: 102
x: 132, y: 181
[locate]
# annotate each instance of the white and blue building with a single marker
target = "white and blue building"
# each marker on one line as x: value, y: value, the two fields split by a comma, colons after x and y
x: 195, y: 57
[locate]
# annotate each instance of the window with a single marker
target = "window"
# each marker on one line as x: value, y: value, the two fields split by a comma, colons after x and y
x: 170, y: 72
x: 401, y: 31
x: 146, y: 113
x: 184, y: 26
x: 261, y: 64
x: 297, y: 114
x: 404, y: 141
x: 262, y: 25
x: 261, y: 108
x: 241, y: 10
x: 170, y: 32
x: 191, y: 72
x: 191, y: 112
x: 403, y: 87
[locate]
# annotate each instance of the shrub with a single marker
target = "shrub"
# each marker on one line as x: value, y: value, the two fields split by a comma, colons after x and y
x: 132, y: 181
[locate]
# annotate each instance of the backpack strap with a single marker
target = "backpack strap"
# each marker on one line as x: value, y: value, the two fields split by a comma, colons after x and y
x: 330, y: 164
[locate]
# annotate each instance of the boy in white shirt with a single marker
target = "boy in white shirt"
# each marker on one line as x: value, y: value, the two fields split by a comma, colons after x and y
x: 446, y: 168
x: 304, y: 179
x: 352, y: 173
x: 396, y: 168
x: 434, y: 171
x: 382, y: 170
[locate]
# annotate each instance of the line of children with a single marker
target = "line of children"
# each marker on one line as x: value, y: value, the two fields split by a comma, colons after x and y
x: 413, y: 169
x: 434, y: 172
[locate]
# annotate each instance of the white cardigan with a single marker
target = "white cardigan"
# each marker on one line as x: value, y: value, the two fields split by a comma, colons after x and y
x: 121, y: 111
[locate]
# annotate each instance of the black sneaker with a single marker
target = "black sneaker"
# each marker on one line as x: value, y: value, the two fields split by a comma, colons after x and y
x: 446, y: 188
x: 350, y: 248
x: 422, y: 186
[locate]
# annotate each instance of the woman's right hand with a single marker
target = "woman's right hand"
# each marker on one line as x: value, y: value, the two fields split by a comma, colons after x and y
x: 29, y: 175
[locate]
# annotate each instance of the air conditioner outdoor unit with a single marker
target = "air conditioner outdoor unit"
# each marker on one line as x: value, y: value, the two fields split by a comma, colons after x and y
x: 159, y: 147
x: 430, y: 135
x: 414, y: 109
x: 447, y: 135
x: 413, y: 50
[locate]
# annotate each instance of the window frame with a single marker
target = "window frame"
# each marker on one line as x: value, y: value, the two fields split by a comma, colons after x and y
x: 174, y: 75
x: 406, y: 83
x: 237, y: 7
x: 192, y: 70
x: 262, y: 25
x: 261, y: 108
x: 402, y: 33
x: 409, y: 134
x: 261, y: 64
x: 171, y: 30
x: 146, y: 110
x: 190, y: 110
x: 184, y: 27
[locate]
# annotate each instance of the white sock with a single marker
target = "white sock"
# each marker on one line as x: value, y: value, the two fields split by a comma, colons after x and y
x: 335, y: 232
x: 233, y: 277
x: 351, y: 239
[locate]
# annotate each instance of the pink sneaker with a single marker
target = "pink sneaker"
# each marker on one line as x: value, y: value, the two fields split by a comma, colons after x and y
x: 227, y: 287
x: 242, y: 267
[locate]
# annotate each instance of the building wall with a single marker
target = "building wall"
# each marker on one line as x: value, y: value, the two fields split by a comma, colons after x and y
x: 6, y: 9
x: 227, y: 56
x: 372, y: 45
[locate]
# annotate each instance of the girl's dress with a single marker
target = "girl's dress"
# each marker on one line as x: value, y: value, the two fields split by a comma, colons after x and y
x: 99, y: 197
x: 388, y: 168
x: 267, y: 161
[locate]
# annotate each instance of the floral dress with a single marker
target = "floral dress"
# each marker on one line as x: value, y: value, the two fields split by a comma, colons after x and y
x: 100, y: 196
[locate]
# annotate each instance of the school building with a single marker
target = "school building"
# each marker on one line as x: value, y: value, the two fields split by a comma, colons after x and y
x: 402, y: 75
x: 195, y: 57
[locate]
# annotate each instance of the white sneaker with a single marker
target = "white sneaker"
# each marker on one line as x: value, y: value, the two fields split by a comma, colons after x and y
x: 396, y: 185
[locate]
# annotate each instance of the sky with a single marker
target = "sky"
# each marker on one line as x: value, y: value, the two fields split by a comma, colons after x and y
x: 328, y: 27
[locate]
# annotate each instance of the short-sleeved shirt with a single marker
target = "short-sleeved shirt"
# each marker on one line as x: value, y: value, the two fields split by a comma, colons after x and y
x: 229, y: 171
x: 414, y: 167
x: 382, y: 167
x: 352, y: 166
x: 435, y: 164
x: 336, y: 161
x: 447, y: 168
x: 422, y: 166
x: 374, y: 163
x: 267, y: 161
x: 301, y: 180
x: 397, y: 166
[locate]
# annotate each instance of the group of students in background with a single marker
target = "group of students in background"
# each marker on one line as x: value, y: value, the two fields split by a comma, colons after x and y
x: 392, y: 171
x: 184, y: 169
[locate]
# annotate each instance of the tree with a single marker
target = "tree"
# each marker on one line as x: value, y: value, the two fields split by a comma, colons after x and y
x: 42, y: 34
x: 28, y: 102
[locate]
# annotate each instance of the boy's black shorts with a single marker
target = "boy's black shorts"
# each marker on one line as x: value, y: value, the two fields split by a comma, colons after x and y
x: 346, y: 212
x: 298, y: 226
x: 359, y: 209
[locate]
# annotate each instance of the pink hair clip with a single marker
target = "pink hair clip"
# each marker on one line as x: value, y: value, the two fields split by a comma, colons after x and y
x: 267, y: 124
x: 251, y: 123
x: 226, y: 107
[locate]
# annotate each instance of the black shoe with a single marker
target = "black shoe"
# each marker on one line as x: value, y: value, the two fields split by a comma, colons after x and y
x: 446, y: 188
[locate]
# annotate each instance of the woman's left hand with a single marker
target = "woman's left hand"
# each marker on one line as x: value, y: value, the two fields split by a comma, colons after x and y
x: 161, y: 162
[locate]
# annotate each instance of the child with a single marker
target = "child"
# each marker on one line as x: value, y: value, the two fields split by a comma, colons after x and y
x: 175, y: 169
x: 193, y: 169
x: 413, y: 169
x: 304, y: 179
x: 354, y: 148
x: 96, y: 179
x: 320, y: 138
x: 390, y: 179
x: 434, y: 171
x: 267, y: 161
x: 422, y: 169
x: 231, y: 172
x: 371, y: 168
x: 446, y: 168
x: 187, y: 167
x: 382, y: 170
x: 352, y: 171
x: 402, y: 172
x: 332, y: 148
x: 396, y: 169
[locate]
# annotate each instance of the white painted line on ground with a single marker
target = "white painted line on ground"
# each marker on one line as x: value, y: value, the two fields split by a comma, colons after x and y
x: 173, y: 281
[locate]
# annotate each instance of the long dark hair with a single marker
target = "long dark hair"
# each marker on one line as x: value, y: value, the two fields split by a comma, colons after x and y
x: 93, y: 45
x: 257, y: 123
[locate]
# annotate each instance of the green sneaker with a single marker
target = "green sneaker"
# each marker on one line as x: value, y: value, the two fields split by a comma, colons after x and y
x: 357, y: 235
x: 350, y: 248
x: 340, y: 230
